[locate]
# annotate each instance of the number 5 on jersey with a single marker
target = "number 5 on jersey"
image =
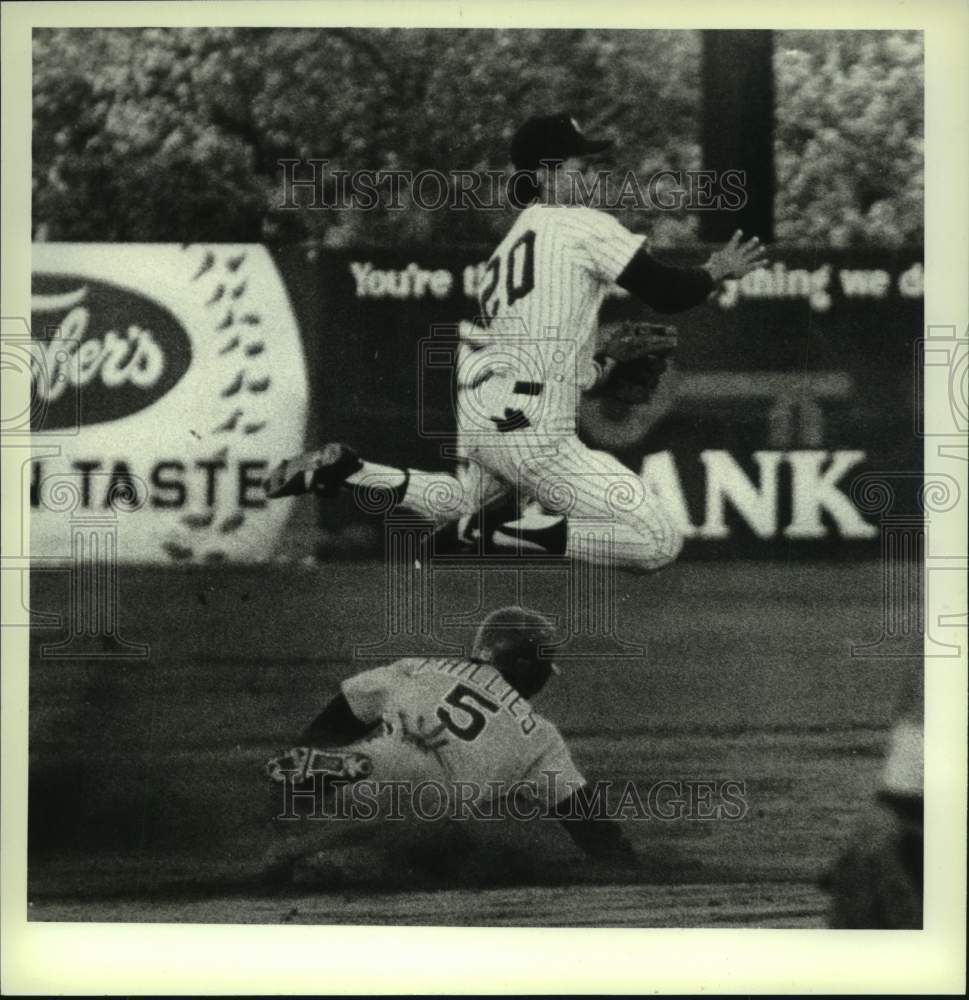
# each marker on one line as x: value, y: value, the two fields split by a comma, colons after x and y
x: 471, y: 720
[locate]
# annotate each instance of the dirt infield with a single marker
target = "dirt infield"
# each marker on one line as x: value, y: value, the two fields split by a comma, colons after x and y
x: 147, y: 801
x: 777, y: 904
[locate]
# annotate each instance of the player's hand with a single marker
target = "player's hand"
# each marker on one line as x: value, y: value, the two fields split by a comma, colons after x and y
x: 736, y: 259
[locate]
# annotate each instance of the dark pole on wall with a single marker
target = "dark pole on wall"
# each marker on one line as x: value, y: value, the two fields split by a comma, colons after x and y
x: 738, y: 128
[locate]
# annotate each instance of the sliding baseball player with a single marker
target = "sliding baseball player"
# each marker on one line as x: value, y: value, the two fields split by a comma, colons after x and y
x: 463, y: 723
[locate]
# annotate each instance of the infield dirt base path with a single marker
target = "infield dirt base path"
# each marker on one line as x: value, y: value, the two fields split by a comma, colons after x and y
x: 157, y: 811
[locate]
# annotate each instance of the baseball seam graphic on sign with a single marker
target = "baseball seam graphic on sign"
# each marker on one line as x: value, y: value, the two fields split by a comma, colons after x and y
x: 177, y: 354
x: 226, y: 273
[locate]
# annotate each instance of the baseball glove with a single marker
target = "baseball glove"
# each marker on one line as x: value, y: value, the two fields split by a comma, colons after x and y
x: 640, y: 354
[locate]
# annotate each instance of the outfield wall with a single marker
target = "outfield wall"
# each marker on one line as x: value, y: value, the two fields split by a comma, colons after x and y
x: 186, y: 371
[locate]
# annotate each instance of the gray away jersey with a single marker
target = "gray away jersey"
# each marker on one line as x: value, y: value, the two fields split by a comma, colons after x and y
x: 493, y: 734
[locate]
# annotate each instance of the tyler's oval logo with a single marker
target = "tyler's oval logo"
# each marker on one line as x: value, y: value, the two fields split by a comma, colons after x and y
x: 99, y: 352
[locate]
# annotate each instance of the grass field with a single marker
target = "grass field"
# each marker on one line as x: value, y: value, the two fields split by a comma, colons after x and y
x: 147, y: 801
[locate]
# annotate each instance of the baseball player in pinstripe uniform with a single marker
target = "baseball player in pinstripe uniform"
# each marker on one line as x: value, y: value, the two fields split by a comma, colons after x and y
x: 522, y: 369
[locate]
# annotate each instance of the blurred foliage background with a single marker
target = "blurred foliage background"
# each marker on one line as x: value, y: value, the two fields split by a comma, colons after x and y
x: 174, y: 134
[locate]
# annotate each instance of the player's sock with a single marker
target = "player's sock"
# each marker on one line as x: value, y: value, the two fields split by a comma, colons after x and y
x: 376, y: 477
x: 375, y: 474
x: 436, y: 495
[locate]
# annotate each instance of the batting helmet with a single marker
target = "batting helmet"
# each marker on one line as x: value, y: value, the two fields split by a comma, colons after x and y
x: 510, y: 639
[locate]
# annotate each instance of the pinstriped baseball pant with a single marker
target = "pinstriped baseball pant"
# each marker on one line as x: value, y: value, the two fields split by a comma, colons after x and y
x: 612, y: 514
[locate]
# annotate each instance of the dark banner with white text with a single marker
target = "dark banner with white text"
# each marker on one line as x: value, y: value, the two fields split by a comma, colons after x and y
x: 793, y: 390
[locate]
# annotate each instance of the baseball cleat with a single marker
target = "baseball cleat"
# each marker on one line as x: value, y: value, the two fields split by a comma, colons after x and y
x: 321, y: 472
x: 535, y: 531
x: 296, y: 765
x: 500, y: 528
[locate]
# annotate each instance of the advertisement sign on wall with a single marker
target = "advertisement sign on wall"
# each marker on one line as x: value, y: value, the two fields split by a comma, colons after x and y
x: 165, y: 380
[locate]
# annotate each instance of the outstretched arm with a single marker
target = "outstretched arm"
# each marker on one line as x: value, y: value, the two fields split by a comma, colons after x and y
x: 335, y: 726
x: 597, y: 836
x: 669, y: 289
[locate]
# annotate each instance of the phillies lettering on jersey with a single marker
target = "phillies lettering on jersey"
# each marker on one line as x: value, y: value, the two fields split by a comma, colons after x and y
x: 493, y: 733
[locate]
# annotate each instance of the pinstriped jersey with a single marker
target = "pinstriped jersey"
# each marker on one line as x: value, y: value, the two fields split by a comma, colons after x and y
x: 492, y: 732
x: 540, y: 297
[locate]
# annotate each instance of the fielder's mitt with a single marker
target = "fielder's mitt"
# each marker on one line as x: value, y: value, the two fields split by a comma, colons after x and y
x: 641, y: 352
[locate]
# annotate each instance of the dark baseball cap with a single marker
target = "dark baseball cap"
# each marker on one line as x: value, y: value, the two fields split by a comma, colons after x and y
x: 551, y: 137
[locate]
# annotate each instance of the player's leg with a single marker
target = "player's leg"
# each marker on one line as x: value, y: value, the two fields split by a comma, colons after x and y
x: 304, y: 783
x: 336, y: 467
x: 481, y: 492
x: 611, y: 512
x: 504, y: 520
x: 474, y: 503
x: 359, y: 782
